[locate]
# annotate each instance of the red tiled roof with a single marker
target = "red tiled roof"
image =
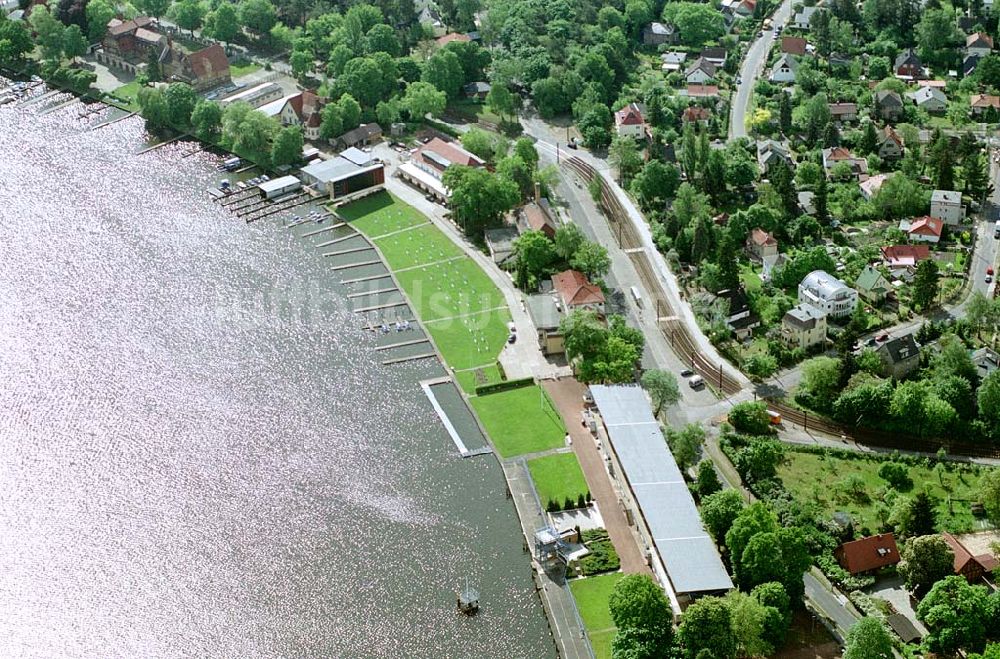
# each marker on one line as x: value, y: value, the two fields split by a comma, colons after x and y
x: 209, y: 62
x: 574, y: 289
x: 702, y: 91
x: 837, y: 109
x: 984, y: 101
x: 117, y: 28
x: 453, y: 36
x: 630, y: 115
x: 889, y: 134
x: 927, y: 226
x: 760, y: 237
x: 793, y: 45
x: 976, y: 37
x: 867, y: 554
x: 451, y: 152
x: 538, y: 220
x: 905, y: 254
x: 696, y: 113
x: 962, y: 555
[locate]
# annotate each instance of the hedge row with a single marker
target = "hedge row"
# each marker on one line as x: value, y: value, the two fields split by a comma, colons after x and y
x: 506, y: 385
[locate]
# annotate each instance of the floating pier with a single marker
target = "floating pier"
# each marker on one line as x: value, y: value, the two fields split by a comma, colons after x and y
x: 329, y: 228
x: 401, y: 344
x: 376, y: 292
x: 384, y: 305
x: 355, y: 265
x: 411, y: 358
x: 337, y: 240
x: 368, y: 278
x: 354, y: 250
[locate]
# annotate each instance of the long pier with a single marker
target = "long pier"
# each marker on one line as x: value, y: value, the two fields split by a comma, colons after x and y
x: 355, y: 265
x: 157, y: 146
x: 401, y: 344
x: 411, y: 358
x: 338, y: 240
x: 329, y: 228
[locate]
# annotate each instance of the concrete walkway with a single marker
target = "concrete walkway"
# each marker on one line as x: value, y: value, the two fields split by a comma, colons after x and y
x: 567, y: 396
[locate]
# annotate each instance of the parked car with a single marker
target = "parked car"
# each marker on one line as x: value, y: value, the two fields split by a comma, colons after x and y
x: 686, y: 373
x: 511, y: 338
x: 989, y: 270
x: 989, y: 279
x: 881, y: 338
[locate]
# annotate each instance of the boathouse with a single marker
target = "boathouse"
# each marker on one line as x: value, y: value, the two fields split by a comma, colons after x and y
x: 347, y: 176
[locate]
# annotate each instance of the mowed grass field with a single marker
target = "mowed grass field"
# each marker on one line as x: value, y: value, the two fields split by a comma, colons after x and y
x: 558, y: 478
x: 520, y: 420
x: 822, y: 480
x: 459, y: 305
x: 591, y: 596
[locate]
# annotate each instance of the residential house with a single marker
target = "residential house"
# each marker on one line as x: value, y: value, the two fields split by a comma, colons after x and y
x: 969, y: 65
x: 428, y: 163
x: 700, y: 71
x: 827, y: 293
x: 695, y: 114
x: 761, y: 245
x: 794, y: 45
x: 936, y: 84
x: 843, y: 112
x: 539, y: 217
x: 715, y: 54
x: 452, y: 36
x: 889, y: 104
x: 871, y: 186
x: 838, y: 154
x: 872, y: 285
x: 673, y: 61
x: 924, y: 229
x: 576, y: 292
x: 739, y: 318
x: 896, y: 257
x: 477, y: 91
x: 947, y: 204
x: 931, y: 99
x: 890, y: 144
x: 868, y: 555
x: 710, y: 92
x: 973, y: 568
x: 839, y: 60
x: 908, y: 66
x: 629, y: 121
x: 546, y: 315
x: 803, y: 326
x: 303, y: 109
x: 656, y: 34
x: 363, y: 135
x: 770, y: 152
x: 979, y: 44
x: 784, y: 69
x: 981, y: 103
x: 900, y: 356
x: 739, y: 9
x: 500, y: 243
x: 203, y: 69
x: 430, y: 19
x: 802, y: 17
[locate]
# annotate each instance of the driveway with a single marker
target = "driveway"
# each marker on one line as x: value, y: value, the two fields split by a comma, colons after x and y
x: 893, y: 590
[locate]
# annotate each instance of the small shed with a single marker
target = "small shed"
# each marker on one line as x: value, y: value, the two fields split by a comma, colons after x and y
x: 278, y: 187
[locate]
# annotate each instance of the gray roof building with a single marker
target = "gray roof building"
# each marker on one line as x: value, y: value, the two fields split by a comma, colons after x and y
x: 683, y: 553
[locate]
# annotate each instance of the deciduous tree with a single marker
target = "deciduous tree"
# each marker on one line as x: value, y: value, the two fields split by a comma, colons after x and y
x: 287, y: 146
x: 707, y: 625
x: 719, y: 511
x: 868, y: 639
x: 925, y: 560
x: 662, y: 388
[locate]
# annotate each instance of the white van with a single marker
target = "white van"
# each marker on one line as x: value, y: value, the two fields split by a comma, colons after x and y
x: 636, y: 297
x: 696, y: 382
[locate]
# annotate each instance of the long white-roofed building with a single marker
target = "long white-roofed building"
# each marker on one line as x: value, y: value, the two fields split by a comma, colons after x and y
x: 822, y: 290
x: 651, y: 489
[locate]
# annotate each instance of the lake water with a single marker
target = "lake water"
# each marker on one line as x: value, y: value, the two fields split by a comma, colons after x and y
x: 201, y: 453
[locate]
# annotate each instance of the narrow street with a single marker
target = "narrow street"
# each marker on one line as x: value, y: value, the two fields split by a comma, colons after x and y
x: 752, y: 66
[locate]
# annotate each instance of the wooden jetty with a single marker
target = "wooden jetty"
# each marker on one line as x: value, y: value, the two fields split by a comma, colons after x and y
x: 338, y: 240
x: 355, y: 265
x: 113, y: 121
x: 411, y: 358
x: 384, y: 305
x: 329, y: 228
x: 353, y: 250
x: 375, y: 292
x: 401, y: 344
x: 368, y: 278
x: 157, y: 146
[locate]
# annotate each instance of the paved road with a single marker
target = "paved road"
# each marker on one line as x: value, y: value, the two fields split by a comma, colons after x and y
x: 752, y: 66
x: 830, y: 604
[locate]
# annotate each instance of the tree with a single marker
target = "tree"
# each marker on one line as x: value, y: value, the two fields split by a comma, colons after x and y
x: 656, y: 183
x: 989, y: 494
x: 925, y: 560
x: 779, y: 615
x: 988, y: 401
x: 99, y: 14
x: 759, y: 459
x: 821, y: 378
x: 697, y: 23
x: 258, y: 16
x: 592, y: 260
x: 369, y: 79
x: 869, y: 139
x: 749, y: 622
x: 896, y: 474
x: 957, y: 616
x: 781, y: 556
x: 750, y: 418
x: 226, y: 24
x: 153, y: 108
x: 502, y: 101
x: 868, y: 639
x: 444, y: 71
x: 74, y: 45
x: 247, y: 130
x: 189, y: 14
x: 422, y: 99
x: 154, y: 8
x: 637, y: 602
x: 976, y: 172
x: 478, y: 198
x: 760, y: 365
x: 180, y: 99
x: 707, y: 625
x: 206, y: 120
x: 662, y: 388
x: 685, y: 444
x: 381, y: 38
x: 707, y: 480
x: 287, y: 146
x: 633, y: 643
x: 719, y: 511
x: 15, y: 41
x: 481, y: 143
x: 534, y: 255
x: 624, y: 155
x: 925, y: 284
x: 48, y: 31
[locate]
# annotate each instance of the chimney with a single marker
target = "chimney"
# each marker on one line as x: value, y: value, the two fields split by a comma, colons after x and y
x: 538, y: 192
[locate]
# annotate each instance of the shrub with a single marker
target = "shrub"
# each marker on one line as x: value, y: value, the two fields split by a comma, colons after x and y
x: 750, y: 418
x: 897, y: 475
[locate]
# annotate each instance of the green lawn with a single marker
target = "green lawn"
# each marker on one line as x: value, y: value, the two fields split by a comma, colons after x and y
x: 821, y: 480
x: 128, y: 93
x: 240, y: 68
x: 421, y: 244
x: 469, y: 380
x: 592, y: 596
x: 520, y: 421
x: 558, y: 478
x: 473, y: 111
x: 751, y: 280
x: 379, y: 214
x: 453, y: 288
x: 471, y: 341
